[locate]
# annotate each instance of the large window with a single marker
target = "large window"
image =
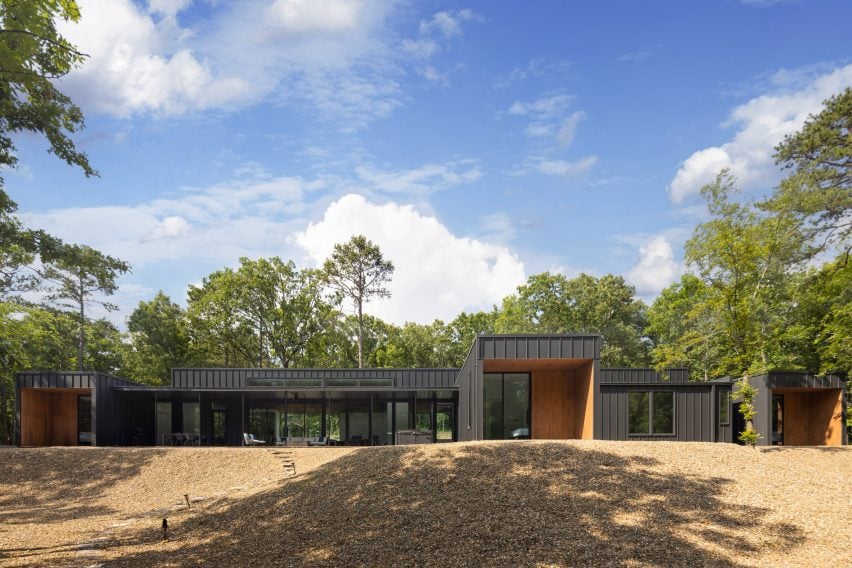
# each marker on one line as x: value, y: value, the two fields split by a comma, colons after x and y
x: 650, y: 412
x: 506, y: 412
x: 724, y: 407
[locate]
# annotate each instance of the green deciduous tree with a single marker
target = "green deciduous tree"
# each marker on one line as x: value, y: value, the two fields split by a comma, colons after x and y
x: 80, y: 275
x: 685, y: 330
x: 159, y: 340
x: 32, y: 55
x: 264, y: 312
x: 358, y: 271
x: 552, y: 303
x: 744, y: 259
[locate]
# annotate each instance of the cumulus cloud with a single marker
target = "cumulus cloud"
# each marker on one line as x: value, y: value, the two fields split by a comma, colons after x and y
x: 334, y: 56
x: 656, y: 268
x: 437, y: 274
x: 169, y: 228
x: 136, y: 64
x: 762, y: 124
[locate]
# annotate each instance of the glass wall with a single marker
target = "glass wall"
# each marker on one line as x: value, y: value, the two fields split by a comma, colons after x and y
x: 264, y: 424
x: 191, y: 418
x: 506, y: 409
x: 358, y: 428
x: 164, y: 422
x: 352, y: 422
x: 423, y: 415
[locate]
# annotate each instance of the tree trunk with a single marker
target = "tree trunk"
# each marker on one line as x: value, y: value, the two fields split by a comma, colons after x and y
x: 360, y: 334
x: 81, y: 344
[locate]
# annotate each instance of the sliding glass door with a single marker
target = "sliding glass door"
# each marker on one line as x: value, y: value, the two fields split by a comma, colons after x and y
x: 506, y: 411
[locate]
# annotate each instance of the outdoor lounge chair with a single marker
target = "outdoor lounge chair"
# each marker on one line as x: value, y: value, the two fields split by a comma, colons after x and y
x: 322, y: 441
x: 250, y: 440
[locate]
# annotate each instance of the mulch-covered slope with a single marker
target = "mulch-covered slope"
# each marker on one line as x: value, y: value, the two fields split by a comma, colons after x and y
x: 513, y: 503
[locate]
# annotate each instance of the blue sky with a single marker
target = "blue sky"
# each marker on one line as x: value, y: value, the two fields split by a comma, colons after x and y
x: 477, y: 143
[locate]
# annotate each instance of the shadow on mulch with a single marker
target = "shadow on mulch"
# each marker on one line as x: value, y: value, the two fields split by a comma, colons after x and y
x: 510, y: 504
x: 84, y: 474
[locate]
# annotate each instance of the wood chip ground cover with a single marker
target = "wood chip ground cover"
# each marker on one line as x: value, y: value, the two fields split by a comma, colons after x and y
x: 468, y: 504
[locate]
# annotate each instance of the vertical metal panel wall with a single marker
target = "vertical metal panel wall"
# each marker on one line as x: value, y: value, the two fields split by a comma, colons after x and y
x: 220, y: 378
x: 693, y: 412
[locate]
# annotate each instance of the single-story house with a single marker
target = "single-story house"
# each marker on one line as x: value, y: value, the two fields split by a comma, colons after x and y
x: 510, y: 387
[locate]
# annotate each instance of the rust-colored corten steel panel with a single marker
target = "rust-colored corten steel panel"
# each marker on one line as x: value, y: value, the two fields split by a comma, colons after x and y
x: 812, y: 418
x: 553, y: 405
x: 49, y: 416
x: 585, y: 397
x: 35, y: 408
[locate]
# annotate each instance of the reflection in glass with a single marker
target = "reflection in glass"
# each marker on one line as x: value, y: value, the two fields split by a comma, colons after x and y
x: 639, y: 412
x: 663, y: 413
x: 516, y: 406
x: 492, y: 406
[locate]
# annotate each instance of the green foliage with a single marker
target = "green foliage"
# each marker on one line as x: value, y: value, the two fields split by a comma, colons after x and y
x: 265, y: 312
x: 685, y: 330
x: 32, y: 55
x: 746, y: 395
x: 743, y: 258
x: 552, y: 303
x: 817, y: 194
x: 159, y: 341
x: 358, y: 272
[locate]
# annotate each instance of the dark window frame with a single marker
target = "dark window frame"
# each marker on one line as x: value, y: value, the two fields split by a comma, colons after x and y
x: 651, y: 408
x: 726, y: 394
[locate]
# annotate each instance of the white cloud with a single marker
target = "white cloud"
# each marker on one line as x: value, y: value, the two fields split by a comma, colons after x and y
x: 569, y: 128
x: 545, y: 107
x: 656, y: 268
x: 304, y: 16
x: 763, y: 122
x: 563, y: 167
x: 538, y: 68
x: 497, y: 227
x: 423, y: 180
x: 437, y: 273
x: 138, y: 65
x: 169, y: 228
x: 448, y: 23
x: 333, y: 56
x: 549, y: 118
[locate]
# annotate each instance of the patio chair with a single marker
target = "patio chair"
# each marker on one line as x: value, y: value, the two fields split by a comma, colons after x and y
x: 250, y: 440
x: 322, y: 441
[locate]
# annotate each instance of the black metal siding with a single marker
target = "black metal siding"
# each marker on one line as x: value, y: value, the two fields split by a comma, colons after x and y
x: 538, y: 347
x: 237, y: 378
x: 643, y: 376
x: 692, y: 420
